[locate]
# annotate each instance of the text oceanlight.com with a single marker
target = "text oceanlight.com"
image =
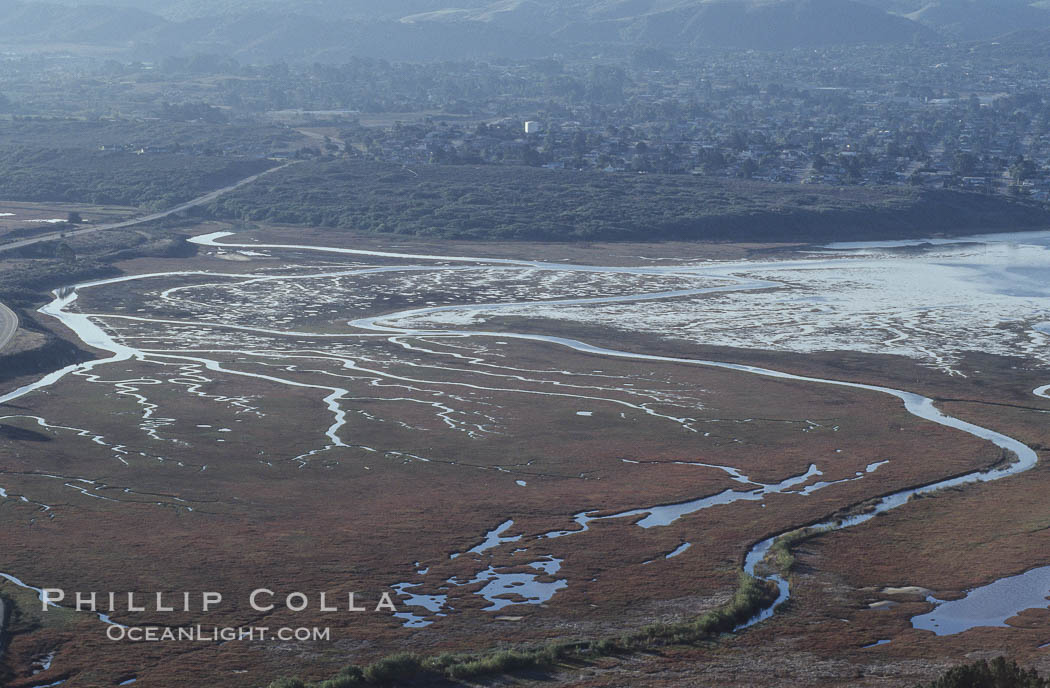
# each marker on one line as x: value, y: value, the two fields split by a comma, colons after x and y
x: 160, y: 634
x: 259, y: 600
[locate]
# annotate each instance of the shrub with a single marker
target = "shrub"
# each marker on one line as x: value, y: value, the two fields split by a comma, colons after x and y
x: 288, y: 683
x: 395, y: 667
x: 342, y: 681
x: 995, y: 674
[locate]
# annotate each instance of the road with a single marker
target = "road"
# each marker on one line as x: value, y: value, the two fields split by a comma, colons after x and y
x: 202, y: 200
x: 9, y: 321
x: 8, y: 325
x: 322, y: 138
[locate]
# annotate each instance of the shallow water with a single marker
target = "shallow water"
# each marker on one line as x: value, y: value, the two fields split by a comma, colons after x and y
x: 915, y: 404
x: 988, y: 605
x: 535, y: 588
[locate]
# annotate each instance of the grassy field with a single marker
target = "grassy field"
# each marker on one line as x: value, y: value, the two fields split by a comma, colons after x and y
x: 212, y: 470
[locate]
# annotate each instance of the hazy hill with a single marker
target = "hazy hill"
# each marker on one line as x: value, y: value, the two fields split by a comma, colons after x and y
x: 46, y: 23
x: 1029, y: 44
x: 180, y: 10
x: 971, y: 19
x: 264, y: 30
x: 754, y: 25
x: 263, y: 37
x: 255, y: 36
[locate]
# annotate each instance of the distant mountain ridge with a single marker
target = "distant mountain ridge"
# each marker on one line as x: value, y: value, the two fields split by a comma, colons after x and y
x: 333, y: 30
x: 971, y: 20
x: 42, y: 22
x: 181, y: 10
x: 253, y: 36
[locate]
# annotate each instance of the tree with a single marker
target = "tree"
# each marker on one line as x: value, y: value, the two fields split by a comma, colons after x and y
x: 606, y: 84
x: 531, y: 157
x: 995, y: 674
x: 854, y: 166
x: 1022, y: 169
x: 550, y: 141
x: 579, y: 143
x: 965, y: 164
x: 65, y: 253
x: 748, y: 169
x: 712, y: 161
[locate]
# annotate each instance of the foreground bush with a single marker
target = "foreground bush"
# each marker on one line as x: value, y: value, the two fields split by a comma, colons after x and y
x: 393, y: 668
x: 995, y: 674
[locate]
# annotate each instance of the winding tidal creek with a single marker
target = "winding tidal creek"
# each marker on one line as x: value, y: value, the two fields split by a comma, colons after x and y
x: 540, y: 583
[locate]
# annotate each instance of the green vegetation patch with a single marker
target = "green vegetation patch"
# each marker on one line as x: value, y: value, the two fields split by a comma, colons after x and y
x: 152, y: 180
x: 131, y: 135
x: 998, y: 673
x: 522, y: 203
